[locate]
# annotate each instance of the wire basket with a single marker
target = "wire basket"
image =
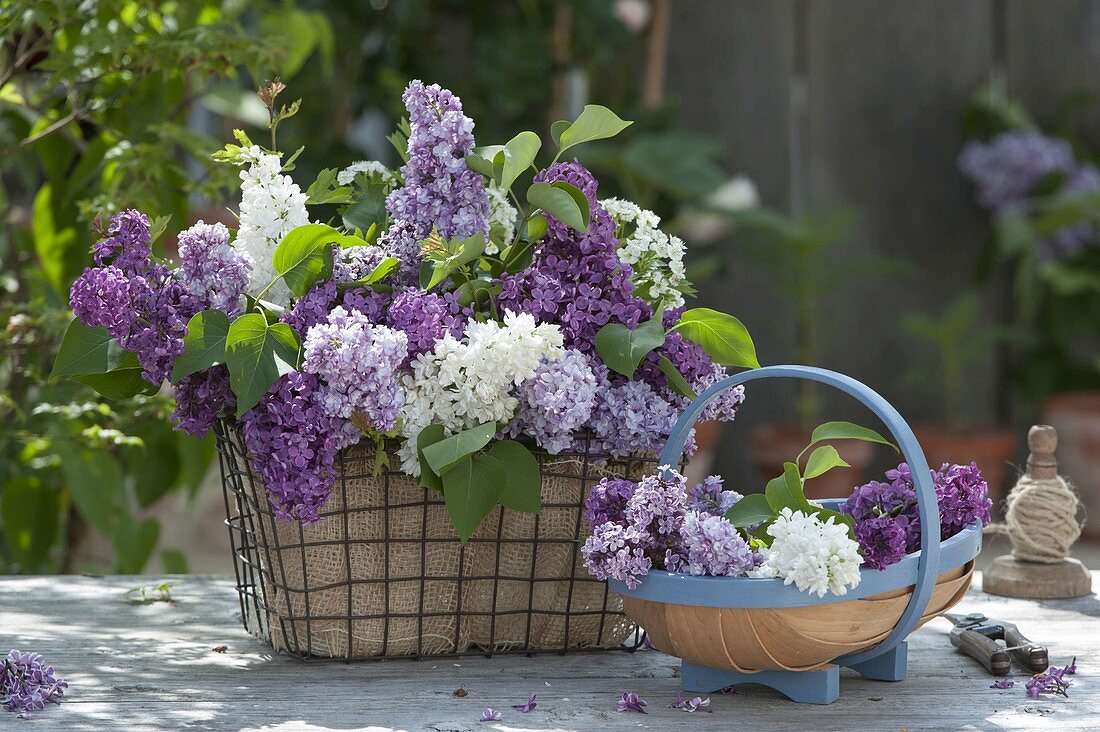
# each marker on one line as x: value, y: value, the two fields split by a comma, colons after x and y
x: 383, y: 575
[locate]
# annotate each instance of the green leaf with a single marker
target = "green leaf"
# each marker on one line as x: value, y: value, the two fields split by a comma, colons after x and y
x: 786, y: 491
x: 120, y: 383
x: 326, y: 190
x: 257, y: 354
x: 380, y: 272
x: 205, y: 343
x: 484, y: 160
x: 676, y: 380
x: 28, y: 513
x: 471, y: 489
x: 593, y: 123
x: 519, y: 155
x: 445, y: 453
x: 751, y: 509
x: 399, y: 138
x: 561, y: 200
x: 523, y: 491
x: 822, y: 460
x: 369, y: 210
x: 305, y: 255
x: 846, y: 431
x: 86, y: 350
x: 556, y: 129
x: 722, y: 336
x: 430, y: 435
x: 622, y: 349
x: 536, y: 228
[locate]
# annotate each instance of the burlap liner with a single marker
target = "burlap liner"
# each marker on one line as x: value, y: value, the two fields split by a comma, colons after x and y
x: 384, y: 567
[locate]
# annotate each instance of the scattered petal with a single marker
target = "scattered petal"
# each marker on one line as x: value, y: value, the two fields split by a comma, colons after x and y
x: 697, y: 704
x: 490, y: 715
x: 679, y: 703
x: 1002, y: 684
x: 528, y: 706
x: 733, y: 690
x: 631, y: 702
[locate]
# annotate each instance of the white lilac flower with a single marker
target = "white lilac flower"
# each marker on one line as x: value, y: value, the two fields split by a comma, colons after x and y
x: 463, y: 383
x: 271, y: 205
x: 816, y: 556
x: 656, y: 258
x: 374, y: 170
x: 502, y: 217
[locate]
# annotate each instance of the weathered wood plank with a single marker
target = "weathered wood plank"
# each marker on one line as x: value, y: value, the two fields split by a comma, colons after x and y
x: 141, y: 667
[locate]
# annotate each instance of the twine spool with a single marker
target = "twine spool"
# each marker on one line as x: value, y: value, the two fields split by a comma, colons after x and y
x: 1041, y: 510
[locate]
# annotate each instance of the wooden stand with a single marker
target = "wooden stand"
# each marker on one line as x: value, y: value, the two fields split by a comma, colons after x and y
x: 1012, y: 577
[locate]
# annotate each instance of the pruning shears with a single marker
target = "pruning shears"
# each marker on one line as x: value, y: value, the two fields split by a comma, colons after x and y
x: 977, y: 636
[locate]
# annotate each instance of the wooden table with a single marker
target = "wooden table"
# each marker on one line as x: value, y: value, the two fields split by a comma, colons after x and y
x: 153, y: 667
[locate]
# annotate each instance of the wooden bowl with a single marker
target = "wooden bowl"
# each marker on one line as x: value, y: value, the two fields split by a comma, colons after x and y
x: 791, y: 638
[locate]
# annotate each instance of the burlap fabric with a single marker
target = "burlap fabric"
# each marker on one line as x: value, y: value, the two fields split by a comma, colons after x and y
x: 383, y: 573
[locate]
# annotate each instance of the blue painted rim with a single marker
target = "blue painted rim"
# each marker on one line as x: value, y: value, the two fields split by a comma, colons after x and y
x: 927, y: 560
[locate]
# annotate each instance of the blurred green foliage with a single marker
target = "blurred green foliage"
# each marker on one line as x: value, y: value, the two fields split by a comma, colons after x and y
x: 1055, y: 341
x: 98, y: 111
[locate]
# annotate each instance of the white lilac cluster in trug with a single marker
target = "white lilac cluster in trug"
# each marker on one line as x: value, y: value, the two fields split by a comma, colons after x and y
x: 816, y: 556
x: 467, y: 382
x: 272, y: 205
x: 656, y: 258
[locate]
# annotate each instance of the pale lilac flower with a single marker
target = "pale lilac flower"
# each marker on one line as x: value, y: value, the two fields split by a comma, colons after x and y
x: 556, y: 401
x: 490, y: 715
x: 631, y: 702
x: 697, y: 704
x: 1002, y: 684
x: 527, y: 706
x: 214, y: 275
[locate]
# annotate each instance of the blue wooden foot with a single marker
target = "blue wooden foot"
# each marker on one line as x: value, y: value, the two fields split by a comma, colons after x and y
x: 889, y: 666
x: 808, y: 687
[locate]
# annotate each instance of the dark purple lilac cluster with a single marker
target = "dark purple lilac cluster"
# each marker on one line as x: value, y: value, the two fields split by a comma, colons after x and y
x: 887, y: 523
x: 424, y: 317
x: 27, y: 684
x: 201, y: 397
x: 295, y: 442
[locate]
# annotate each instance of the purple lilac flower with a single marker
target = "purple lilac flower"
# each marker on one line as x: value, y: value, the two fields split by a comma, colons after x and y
x: 313, y: 307
x: 490, y: 715
x: 1071, y: 239
x: 882, y: 541
x: 293, y: 444
x: 360, y: 365
x: 961, y: 492
x: 576, y: 279
x: 402, y: 241
x: 151, y: 319
x: 697, y: 704
x: 556, y: 401
x: 631, y: 702
x: 424, y: 317
x: 629, y: 416
x: 658, y: 505
x: 200, y: 398
x: 617, y: 552
x: 127, y: 242
x: 708, y: 497
x: 214, y: 275
x: 714, y: 547
x: 1002, y: 684
x: 1048, y: 682
x: 100, y: 297
x: 607, y: 501
x: 440, y: 191
x: 27, y: 684
x: 527, y: 706
x: 1007, y: 169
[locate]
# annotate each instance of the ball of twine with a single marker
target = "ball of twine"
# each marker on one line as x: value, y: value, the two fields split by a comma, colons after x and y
x: 1041, y: 519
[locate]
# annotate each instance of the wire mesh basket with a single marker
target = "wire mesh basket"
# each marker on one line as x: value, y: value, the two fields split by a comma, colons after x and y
x: 383, y: 574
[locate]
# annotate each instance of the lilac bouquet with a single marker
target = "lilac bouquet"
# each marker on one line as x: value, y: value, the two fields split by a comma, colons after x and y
x: 661, y: 523
x: 471, y: 305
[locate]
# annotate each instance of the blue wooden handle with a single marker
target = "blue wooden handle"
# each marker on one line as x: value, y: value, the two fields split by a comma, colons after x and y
x: 927, y: 506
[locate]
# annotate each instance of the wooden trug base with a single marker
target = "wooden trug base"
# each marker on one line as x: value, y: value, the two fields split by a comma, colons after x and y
x: 1011, y: 577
